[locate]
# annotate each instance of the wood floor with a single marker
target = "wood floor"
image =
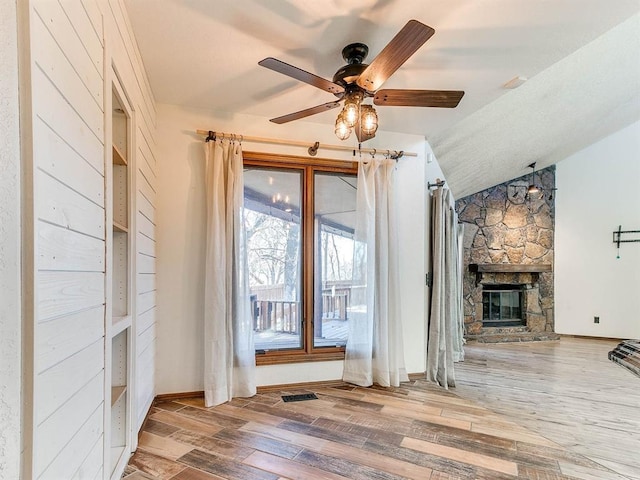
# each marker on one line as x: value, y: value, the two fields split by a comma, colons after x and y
x: 418, y: 431
x: 567, y: 391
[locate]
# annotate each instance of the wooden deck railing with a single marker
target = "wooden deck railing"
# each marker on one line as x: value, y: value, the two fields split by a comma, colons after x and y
x: 335, y: 303
x: 276, y: 315
x: 283, y: 316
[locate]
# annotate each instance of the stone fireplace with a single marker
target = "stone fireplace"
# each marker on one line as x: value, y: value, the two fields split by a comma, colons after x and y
x: 508, y: 262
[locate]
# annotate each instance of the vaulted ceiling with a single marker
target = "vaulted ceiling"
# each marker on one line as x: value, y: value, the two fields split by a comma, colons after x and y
x: 581, y: 58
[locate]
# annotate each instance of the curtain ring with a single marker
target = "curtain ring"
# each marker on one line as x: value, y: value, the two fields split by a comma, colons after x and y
x: 373, y: 153
x: 241, y: 138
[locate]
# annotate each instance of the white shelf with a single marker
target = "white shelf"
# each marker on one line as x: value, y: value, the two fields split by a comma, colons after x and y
x: 119, y: 228
x: 118, y: 324
x: 118, y: 157
x: 116, y: 393
x: 117, y: 454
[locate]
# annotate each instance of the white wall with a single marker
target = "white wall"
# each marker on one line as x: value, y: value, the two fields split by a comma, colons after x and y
x: 10, y: 312
x: 66, y: 182
x: 181, y: 217
x: 598, y: 190
x: 69, y: 48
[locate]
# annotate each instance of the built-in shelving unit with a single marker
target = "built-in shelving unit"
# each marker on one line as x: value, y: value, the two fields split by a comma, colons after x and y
x: 120, y: 299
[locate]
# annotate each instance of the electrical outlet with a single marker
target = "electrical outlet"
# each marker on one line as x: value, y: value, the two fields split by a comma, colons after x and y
x: 596, y: 319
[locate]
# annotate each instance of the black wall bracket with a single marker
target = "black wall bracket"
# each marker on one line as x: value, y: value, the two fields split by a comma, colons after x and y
x: 618, y: 239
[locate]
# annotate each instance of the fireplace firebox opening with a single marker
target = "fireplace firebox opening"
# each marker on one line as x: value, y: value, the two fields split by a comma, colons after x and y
x: 502, y: 306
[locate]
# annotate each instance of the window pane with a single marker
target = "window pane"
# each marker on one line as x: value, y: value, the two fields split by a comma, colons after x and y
x: 505, y: 305
x: 334, y: 223
x: 272, y: 224
x: 516, y: 310
x: 495, y: 305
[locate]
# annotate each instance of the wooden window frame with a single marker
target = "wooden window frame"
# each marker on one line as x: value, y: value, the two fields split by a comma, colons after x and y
x: 308, y: 167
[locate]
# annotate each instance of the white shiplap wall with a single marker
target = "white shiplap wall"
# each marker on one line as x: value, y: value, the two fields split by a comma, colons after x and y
x: 69, y: 246
x: 73, y: 46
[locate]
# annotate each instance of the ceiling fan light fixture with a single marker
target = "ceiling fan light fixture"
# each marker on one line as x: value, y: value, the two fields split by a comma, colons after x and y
x: 368, y: 119
x: 343, y: 131
x: 351, y: 108
x: 356, y: 81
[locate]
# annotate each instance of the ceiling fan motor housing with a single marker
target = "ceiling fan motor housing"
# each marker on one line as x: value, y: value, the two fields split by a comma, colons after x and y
x: 354, y: 54
x: 348, y: 74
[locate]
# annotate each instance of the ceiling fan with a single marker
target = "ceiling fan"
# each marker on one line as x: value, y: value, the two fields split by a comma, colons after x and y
x: 356, y: 81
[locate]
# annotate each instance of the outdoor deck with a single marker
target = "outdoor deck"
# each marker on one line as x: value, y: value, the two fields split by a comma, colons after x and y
x: 335, y: 333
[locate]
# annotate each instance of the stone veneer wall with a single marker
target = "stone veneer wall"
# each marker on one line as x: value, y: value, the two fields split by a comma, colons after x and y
x: 503, y: 228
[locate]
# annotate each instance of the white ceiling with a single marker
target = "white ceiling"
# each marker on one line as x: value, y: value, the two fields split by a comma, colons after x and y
x: 204, y: 54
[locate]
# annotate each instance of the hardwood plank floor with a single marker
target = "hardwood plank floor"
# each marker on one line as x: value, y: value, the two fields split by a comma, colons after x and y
x: 551, y: 416
x: 567, y: 391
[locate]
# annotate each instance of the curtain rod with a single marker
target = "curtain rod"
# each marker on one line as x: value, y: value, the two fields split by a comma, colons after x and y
x: 312, y: 149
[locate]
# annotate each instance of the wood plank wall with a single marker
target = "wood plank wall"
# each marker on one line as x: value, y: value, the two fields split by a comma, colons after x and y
x: 68, y: 41
x: 67, y: 87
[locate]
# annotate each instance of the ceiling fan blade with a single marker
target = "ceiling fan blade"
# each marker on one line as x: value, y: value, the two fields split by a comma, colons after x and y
x: 418, y: 98
x: 305, y: 113
x: 408, y: 40
x: 299, y: 74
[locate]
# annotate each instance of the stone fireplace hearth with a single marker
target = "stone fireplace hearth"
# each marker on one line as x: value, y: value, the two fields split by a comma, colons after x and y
x: 508, y: 246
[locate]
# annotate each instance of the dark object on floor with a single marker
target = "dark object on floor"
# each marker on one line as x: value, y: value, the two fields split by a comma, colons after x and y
x: 299, y: 397
x: 627, y: 354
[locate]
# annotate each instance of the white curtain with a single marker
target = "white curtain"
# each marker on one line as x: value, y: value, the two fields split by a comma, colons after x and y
x: 446, y: 322
x: 374, y: 352
x: 229, y: 369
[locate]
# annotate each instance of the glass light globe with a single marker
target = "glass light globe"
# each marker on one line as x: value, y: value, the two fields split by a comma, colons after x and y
x: 351, y: 108
x: 368, y: 119
x: 343, y: 131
